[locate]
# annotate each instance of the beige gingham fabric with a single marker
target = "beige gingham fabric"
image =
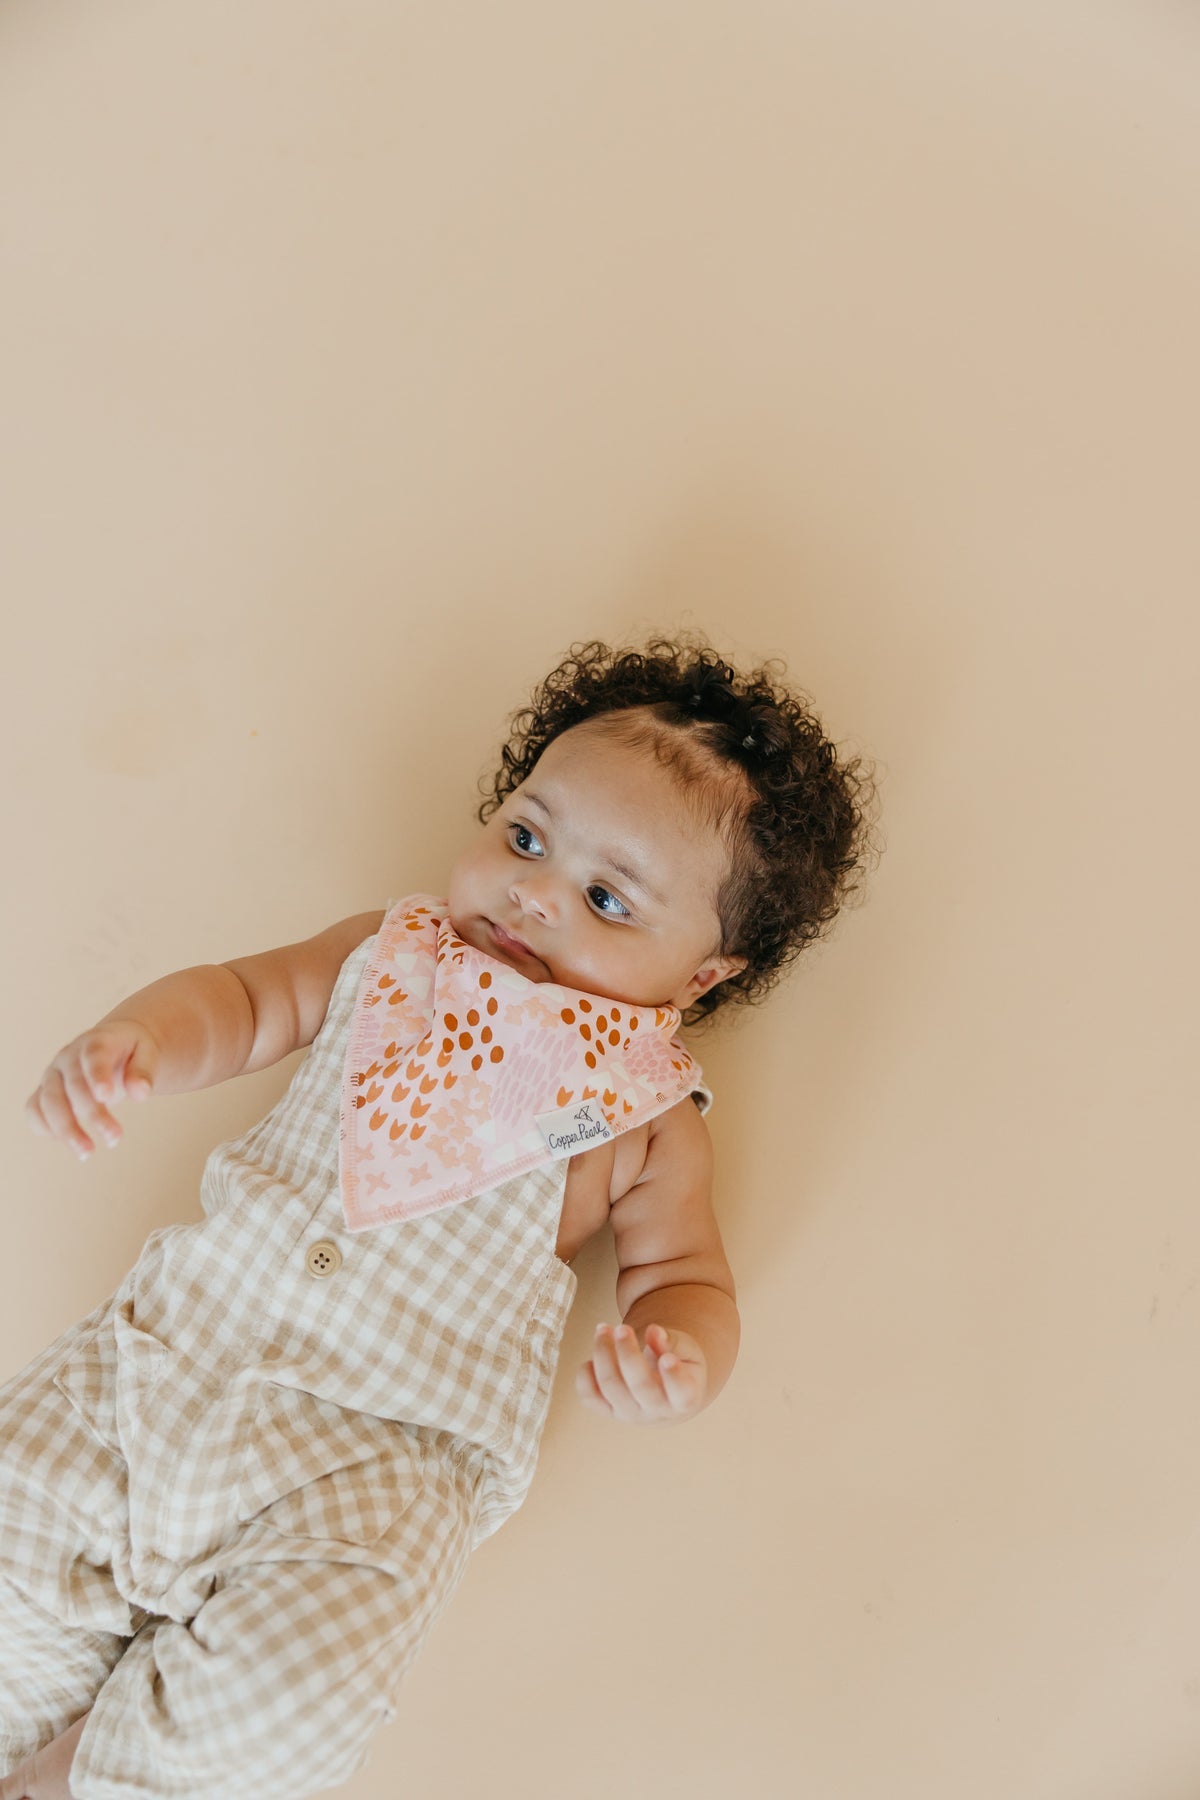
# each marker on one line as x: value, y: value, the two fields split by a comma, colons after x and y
x: 235, y: 1498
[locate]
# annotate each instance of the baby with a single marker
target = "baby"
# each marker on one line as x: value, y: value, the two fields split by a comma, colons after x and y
x: 237, y: 1496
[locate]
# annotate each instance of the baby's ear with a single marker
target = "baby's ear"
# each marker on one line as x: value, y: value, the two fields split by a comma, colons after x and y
x: 717, y: 968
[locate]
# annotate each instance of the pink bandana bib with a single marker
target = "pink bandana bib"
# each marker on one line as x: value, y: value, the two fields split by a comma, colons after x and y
x: 461, y: 1073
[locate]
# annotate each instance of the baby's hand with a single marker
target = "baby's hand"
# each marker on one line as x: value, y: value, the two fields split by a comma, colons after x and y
x: 663, y: 1381
x: 103, y: 1064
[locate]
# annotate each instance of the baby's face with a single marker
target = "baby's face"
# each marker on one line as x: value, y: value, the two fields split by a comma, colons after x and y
x: 595, y: 874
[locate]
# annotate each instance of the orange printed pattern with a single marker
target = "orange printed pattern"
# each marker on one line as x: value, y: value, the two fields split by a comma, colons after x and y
x: 452, y: 1055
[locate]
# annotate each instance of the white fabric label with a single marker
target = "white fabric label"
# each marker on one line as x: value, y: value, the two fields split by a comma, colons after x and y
x: 574, y: 1128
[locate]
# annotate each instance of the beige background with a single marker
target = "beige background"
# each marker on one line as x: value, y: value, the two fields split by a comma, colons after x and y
x: 361, y: 357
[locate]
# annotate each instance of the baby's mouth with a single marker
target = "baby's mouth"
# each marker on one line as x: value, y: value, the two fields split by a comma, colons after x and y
x: 506, y: 941
x: 512, y: 948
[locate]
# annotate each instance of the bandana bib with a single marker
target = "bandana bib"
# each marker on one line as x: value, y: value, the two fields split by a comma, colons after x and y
x: 460, y: 1072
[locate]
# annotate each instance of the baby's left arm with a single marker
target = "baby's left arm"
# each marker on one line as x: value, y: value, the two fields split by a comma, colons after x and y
x: 674, y: 1286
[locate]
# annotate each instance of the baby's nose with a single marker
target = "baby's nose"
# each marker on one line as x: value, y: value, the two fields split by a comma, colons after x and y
x: 533, y: 897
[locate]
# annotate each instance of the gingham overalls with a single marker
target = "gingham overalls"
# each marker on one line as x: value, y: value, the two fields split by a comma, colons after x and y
x: 235, y: 1498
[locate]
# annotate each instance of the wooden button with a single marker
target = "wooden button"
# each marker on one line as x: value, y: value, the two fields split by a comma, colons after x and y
x: 323, y: 1259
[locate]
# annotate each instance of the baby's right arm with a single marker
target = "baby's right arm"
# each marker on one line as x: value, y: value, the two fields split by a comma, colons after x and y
x: 193, y: 1029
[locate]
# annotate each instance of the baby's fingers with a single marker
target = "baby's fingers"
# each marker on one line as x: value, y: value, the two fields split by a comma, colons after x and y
x: 681, y: 1380
x: 104, y: 1075
x: 626, y: 1375
x: 92, y: 1115
x: 35, y: 1116
x: 67, y: 1110
x: 50, y: 1111
x: 588, y: 1388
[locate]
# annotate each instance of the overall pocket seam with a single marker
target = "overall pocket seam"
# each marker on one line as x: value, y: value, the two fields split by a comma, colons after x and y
x: 356, y: 1501
x: 103, y: 1380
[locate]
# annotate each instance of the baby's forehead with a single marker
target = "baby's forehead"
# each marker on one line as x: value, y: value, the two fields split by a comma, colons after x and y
x: 614, y: 750
x: 575, y: 772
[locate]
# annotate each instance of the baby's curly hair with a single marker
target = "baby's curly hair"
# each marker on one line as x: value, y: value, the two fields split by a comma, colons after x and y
x: 751, y: 755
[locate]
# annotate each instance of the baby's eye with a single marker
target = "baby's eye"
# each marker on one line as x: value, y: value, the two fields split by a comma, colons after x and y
x: 621, y: 913
x: 516, y: 832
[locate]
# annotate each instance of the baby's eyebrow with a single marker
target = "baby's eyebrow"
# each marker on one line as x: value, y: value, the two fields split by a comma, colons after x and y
x: 634, y: 876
